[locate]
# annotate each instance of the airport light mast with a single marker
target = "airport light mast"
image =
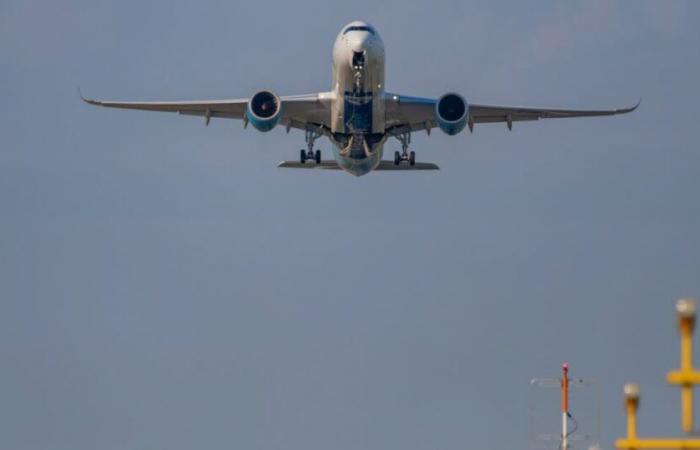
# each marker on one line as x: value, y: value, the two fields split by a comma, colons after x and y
x: 687, y: 377
x: 565, y: 406
x: 566, y: 434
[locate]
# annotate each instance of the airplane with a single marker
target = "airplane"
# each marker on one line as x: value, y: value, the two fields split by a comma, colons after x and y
x: 358, y: 115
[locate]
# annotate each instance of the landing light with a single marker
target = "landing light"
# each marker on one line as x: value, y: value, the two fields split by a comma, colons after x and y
x: 631, y: 391
x: 686, y: 308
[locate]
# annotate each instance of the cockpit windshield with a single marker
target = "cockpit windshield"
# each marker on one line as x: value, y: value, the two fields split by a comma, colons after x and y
x: 359, y: 28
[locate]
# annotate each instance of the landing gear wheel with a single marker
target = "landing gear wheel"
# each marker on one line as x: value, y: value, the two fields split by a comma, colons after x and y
x: 311, y: 135
x: 412, y: 159
x: 397, y: 158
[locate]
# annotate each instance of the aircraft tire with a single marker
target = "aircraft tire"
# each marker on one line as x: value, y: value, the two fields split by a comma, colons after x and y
x: 397, y: 158
x: 317, y: 156
x: 412, y: 158
x: 302, y: 156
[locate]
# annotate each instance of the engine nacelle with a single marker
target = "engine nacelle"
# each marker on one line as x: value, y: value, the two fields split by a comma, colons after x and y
x: 451, y: 113
x: 264, y: 110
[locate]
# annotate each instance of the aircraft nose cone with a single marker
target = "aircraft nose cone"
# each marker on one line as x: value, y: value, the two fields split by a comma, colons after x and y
x: 359, y: 42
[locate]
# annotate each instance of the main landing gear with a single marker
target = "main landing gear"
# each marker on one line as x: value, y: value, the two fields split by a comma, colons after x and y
x: 405, y: 139
x: 304, y: 155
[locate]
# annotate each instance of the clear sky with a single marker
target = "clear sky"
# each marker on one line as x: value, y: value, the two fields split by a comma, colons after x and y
x: 164, y: 286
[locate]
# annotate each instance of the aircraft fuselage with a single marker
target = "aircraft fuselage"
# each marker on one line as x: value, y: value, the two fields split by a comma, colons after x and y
x: 358, y: 106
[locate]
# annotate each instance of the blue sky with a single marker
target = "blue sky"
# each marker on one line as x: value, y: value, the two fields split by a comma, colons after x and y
x: 164, y: 285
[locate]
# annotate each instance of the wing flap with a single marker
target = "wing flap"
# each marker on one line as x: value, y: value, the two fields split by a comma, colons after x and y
x: 236, y: 106
x: 486, y: 113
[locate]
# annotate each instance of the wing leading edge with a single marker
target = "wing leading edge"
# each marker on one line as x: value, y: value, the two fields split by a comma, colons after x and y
x: 297, y: 111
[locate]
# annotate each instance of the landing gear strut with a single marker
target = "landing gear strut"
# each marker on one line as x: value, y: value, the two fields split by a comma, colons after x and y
x: 405, y: 139
x: 311, y: 136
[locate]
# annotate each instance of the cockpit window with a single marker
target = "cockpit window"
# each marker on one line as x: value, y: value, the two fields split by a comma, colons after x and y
x: 359, y: 28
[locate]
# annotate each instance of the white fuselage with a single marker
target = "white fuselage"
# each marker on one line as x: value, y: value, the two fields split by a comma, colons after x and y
x: 358, y: 106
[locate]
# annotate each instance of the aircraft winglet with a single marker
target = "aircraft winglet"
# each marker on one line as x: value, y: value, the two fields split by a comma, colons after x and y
x: 628, y: 110
x: 87, y: 100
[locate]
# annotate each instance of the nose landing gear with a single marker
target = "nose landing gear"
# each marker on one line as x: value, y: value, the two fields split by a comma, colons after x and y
x: 304, y: 155
x: 405, y: 139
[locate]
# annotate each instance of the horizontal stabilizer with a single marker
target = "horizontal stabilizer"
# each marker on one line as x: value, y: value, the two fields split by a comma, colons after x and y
x: 328, y: 165
x: 333, y: 165
x: 389, y: 165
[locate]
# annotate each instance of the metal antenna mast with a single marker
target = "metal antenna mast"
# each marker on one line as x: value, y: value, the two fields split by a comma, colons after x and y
x: 565, y: 406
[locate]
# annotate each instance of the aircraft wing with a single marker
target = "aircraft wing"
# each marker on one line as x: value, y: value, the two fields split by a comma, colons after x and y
x: 297, y: 110
x: 406, y: 113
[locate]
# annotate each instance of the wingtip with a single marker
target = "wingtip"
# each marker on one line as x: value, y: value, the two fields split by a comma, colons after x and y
x: 629, y: 110
x: 87, y: 100
x: 639, y: 102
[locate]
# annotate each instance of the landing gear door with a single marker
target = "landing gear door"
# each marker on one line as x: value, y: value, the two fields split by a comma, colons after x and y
x: 358, y: 112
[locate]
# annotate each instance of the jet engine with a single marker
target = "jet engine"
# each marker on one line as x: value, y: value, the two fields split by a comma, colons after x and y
x: 451, y: 113
x: 264, y: 110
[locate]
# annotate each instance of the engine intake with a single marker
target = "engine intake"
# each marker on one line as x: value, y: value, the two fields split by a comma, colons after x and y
x: 264, y: 110
x: 451, y: 113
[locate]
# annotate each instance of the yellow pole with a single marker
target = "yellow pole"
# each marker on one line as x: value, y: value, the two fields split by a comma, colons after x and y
x: 686, y: 328
x: 662, y: 443
x: 687, y: 408
x: 631, y: 404
x: 631, y: 423
x: 686, y: 324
